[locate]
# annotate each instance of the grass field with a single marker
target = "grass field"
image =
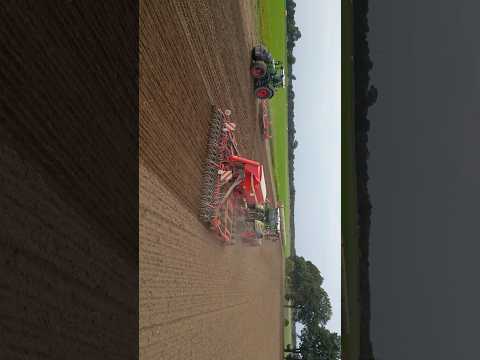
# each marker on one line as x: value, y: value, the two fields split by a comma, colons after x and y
x: 350, y: 335
x: 273, y: 33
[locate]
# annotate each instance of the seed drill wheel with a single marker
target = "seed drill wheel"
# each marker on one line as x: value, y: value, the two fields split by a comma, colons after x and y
x: 258, y: 69
x: 264, y: 92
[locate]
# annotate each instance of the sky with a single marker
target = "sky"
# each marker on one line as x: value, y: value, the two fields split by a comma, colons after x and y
x: 317, y: 158
x: 425, y: 179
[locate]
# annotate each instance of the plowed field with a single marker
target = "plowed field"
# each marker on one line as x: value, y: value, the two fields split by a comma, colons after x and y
x: 198, y: 298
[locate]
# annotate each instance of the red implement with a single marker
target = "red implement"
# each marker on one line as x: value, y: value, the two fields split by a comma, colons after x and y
x: 228, y: 178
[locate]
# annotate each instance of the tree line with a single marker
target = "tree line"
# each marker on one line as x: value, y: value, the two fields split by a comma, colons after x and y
x: 293, y: 34
x: 311, y: 307
x: 365, y: 96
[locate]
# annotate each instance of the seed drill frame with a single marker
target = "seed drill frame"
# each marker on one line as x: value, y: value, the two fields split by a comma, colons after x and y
x: 231, y: 183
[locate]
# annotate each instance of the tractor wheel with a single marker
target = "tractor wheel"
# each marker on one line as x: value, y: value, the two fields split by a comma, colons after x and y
x: 264, y: 92
x: 258, y: 69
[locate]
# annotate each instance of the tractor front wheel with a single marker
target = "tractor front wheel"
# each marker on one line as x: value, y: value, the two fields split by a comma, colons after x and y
x: 264, y: 92
x: 258, y: 69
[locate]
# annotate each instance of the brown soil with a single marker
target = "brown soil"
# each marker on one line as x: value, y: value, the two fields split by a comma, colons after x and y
x: 198, y: 298
x: 68, y: 180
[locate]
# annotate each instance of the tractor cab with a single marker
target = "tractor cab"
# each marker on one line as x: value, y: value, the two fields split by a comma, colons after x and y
x: 278, y: 79
x: 272, y: 219
x: 277, y: 75
x: 271, y: 216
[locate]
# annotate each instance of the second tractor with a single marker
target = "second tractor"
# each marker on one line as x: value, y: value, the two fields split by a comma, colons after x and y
x: 268, y: 73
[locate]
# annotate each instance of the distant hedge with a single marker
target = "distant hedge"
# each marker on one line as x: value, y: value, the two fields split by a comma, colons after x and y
x: 293, y: 34
x: 365, y: 96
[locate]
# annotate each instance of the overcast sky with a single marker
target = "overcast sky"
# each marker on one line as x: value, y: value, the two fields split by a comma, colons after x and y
x: 317, y: 158
x: 425, y: 179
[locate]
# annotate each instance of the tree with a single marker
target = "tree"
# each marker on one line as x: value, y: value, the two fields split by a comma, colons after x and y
x: 310, y: 302
x: 318, y: 343
x: 366, y: 95
x: 293, y: 35
x: 372, y: 95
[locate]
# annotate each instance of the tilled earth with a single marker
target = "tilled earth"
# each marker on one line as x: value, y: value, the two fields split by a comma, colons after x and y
x: 68, y: 180
x: 198, y: 299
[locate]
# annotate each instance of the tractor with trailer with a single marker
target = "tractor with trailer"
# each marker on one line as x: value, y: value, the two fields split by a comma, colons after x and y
x: 268, y: 73
x: 233, y: 194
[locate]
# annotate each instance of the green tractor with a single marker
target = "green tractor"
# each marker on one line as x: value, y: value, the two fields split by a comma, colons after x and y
x: 268, y: 217
x: 267, y: 72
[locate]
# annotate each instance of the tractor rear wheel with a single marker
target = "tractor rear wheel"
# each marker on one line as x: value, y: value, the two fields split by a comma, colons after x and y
x: 264, y: 92
x: 258, y: 69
